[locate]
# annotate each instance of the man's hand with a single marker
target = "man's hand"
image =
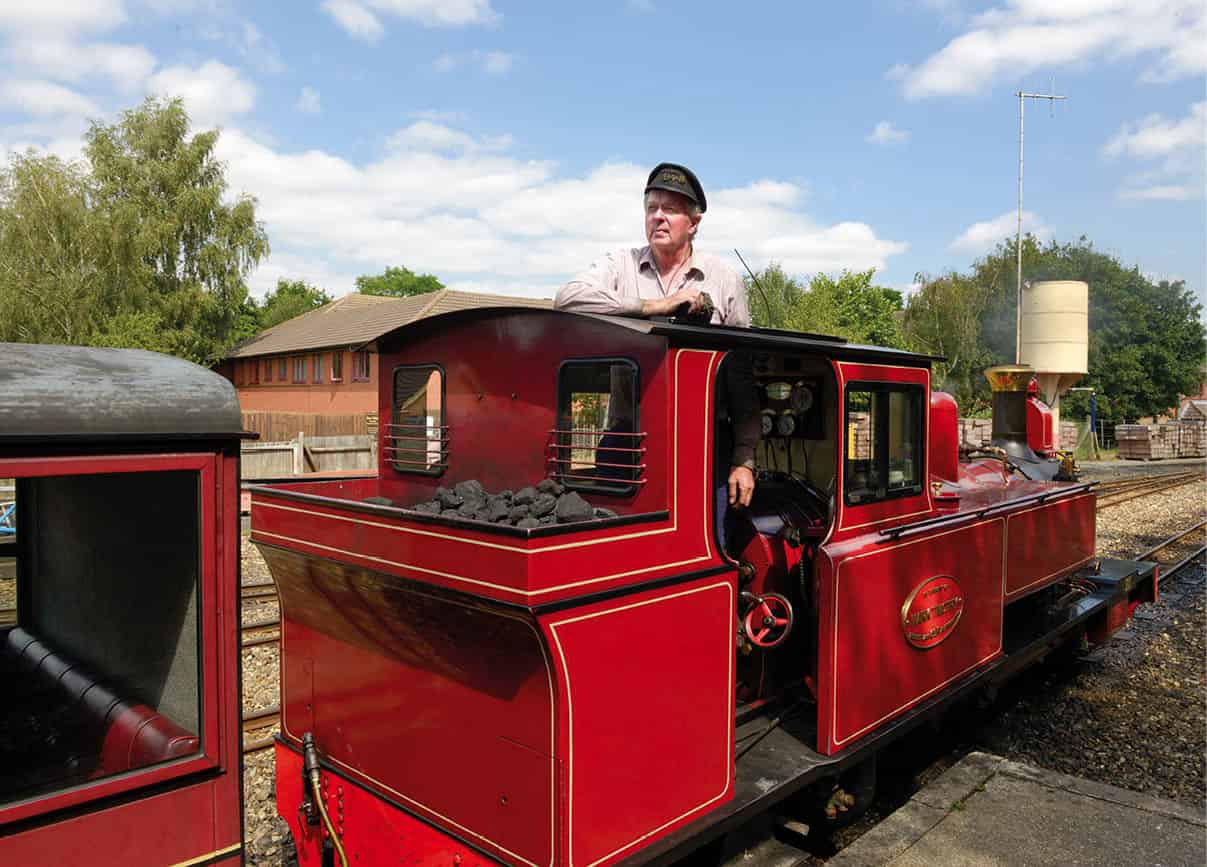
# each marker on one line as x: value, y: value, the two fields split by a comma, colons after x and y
x: 668, y: 305
x: 741, y: 486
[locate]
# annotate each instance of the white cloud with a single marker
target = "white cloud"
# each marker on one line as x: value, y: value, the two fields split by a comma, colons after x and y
x: 887, y: 134
x: 309, y: 101
x: 1162, y: 193
x: 1023, y: 36
x: 441, y: 200
x: 360, y: 18
x: 127, y: 66
x: 212, y: 92
x: 1176, y: 148
x: 45, y: 99
x: 981, y: 237
x: 64, y: 16
x: 354, y: 18
x: 491, y: 62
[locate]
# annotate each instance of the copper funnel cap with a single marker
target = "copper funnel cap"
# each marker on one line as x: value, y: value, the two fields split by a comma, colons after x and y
x: 1009, y: 377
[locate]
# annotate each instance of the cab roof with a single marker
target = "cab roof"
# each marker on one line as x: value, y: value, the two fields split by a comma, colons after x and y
x: 681, y: 333
x: 52, y: 393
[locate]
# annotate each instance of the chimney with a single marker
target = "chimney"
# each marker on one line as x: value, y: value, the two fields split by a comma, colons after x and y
x: 1009, y: 383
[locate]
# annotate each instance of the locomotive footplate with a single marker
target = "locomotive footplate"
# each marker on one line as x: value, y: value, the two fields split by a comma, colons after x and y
x: 783, y: 760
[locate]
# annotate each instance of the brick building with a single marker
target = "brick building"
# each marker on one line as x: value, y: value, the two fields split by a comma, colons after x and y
x: 313, y: 364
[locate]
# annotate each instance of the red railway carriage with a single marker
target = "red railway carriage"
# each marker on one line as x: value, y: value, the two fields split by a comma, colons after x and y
x: 614, y: 665
x: 119, y: 649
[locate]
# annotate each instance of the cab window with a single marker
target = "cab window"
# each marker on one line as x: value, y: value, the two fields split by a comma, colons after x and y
x: 418, y: 436
x: 883, y: 442
x: 598, y: 444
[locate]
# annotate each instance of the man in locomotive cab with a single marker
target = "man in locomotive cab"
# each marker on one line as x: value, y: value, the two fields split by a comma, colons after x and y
x: 668, y: 277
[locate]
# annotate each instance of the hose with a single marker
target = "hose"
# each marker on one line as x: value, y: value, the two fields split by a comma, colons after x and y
x: 311, y: 762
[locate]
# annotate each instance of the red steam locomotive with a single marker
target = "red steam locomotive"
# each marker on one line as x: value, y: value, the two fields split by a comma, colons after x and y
x: 542, y: 636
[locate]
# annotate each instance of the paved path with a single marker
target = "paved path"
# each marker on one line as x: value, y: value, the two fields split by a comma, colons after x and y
x: 989, y: 812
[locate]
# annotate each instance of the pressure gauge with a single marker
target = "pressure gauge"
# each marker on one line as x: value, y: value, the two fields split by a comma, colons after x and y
x: 802, y: 398
x: 768, y: 423
x: 778, y: 390
x: 785, y: 424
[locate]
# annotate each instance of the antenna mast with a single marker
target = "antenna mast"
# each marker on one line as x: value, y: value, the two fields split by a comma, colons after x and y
x: 1018, y: 237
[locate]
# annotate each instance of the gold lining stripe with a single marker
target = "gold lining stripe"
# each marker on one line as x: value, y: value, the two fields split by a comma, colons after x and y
x: 209, y: 856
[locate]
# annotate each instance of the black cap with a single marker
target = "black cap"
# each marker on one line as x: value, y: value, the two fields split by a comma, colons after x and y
x: 677, y: 179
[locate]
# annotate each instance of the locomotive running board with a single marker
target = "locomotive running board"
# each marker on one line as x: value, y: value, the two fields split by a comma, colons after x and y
x: 784, y: 761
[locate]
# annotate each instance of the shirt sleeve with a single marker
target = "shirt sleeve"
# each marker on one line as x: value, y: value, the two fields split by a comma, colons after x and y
x: 597, y: 290
x: 738, y: 312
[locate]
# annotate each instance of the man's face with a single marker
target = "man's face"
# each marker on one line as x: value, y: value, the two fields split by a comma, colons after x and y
x: 669, y: 225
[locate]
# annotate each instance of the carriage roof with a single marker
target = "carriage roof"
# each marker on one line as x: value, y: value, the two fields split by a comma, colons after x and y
x: 81, y: 393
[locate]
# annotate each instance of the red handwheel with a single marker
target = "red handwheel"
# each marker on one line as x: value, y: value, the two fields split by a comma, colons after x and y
x: 769, y: 620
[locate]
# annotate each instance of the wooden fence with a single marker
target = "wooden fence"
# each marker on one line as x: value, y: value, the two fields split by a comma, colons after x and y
x: 278, y: 426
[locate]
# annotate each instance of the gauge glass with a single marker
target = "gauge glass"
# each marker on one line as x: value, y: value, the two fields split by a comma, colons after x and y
x: 768, y: 423
x: 785, y: 424
x: 802, y: 397
x: 778, y: 390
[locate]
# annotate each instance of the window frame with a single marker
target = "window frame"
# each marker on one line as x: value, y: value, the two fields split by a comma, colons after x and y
x: 299, y: 369
x: 368, y: 374
x: 282, y: 368
x: 616, y: 490
x: 881, y: 447
x: 316, y: 368
x: 209, y: 587
x: 337, y: 366
x: 439, y: 469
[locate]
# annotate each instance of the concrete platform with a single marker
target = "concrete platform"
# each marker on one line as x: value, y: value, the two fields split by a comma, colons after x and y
x: 990, y: 812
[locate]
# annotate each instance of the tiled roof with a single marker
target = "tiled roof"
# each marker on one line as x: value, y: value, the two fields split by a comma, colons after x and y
x: 356, y: 319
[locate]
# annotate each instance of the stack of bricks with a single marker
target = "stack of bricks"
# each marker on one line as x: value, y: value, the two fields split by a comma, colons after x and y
x: 1147, y: 442
x: 976, y: 432
x: 859, y: 433
x: 1192, y: 440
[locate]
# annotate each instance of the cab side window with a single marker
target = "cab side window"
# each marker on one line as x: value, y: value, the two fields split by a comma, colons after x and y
x: 598, y: 444
x: 883, y: 442
x: 418, y: 437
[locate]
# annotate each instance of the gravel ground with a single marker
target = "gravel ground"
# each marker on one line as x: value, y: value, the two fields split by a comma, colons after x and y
x: 1131, y: 714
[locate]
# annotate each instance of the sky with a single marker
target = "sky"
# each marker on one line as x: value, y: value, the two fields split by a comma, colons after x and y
x: 503, y: 145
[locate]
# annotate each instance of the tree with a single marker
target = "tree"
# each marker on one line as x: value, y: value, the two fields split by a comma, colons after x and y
x: 944, y: 318
x: 849, y: 306
x: 291, y: 298
x: 141, y: 247
x: 400, y: 282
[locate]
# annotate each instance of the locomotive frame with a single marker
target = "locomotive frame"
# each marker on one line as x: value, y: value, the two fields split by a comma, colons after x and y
x: 586, y: 693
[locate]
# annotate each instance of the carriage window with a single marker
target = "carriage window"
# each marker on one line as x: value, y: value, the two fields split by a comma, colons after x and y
x: 883, y: 442
x: 8, y: 553
x: 418, y: 435
x: 100, y: 666
x: 598, y: 444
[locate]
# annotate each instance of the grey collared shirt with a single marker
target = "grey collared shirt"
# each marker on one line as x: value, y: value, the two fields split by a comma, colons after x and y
x: 622, y: 279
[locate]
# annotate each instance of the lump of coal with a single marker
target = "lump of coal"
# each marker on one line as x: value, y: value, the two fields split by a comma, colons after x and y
x: 379, y: 501
x: 449, y: 513
x: 518, y: 513
x: 571, y: 507
x: 507, y: 494
x: 471, y: 492
x: 524, y: 496
x: 528, y: 523
x: 543, y: 505
x: 430, y: 508
x: 601, y: 512
x: 703, y: 313
x: 549, y: 486
x: 468, y: 509
x: 548, y: 519
x: 448, y: 499
x: 496, y: 509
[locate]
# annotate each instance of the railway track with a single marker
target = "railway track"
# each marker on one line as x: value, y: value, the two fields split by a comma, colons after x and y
x: 1123, y: 491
